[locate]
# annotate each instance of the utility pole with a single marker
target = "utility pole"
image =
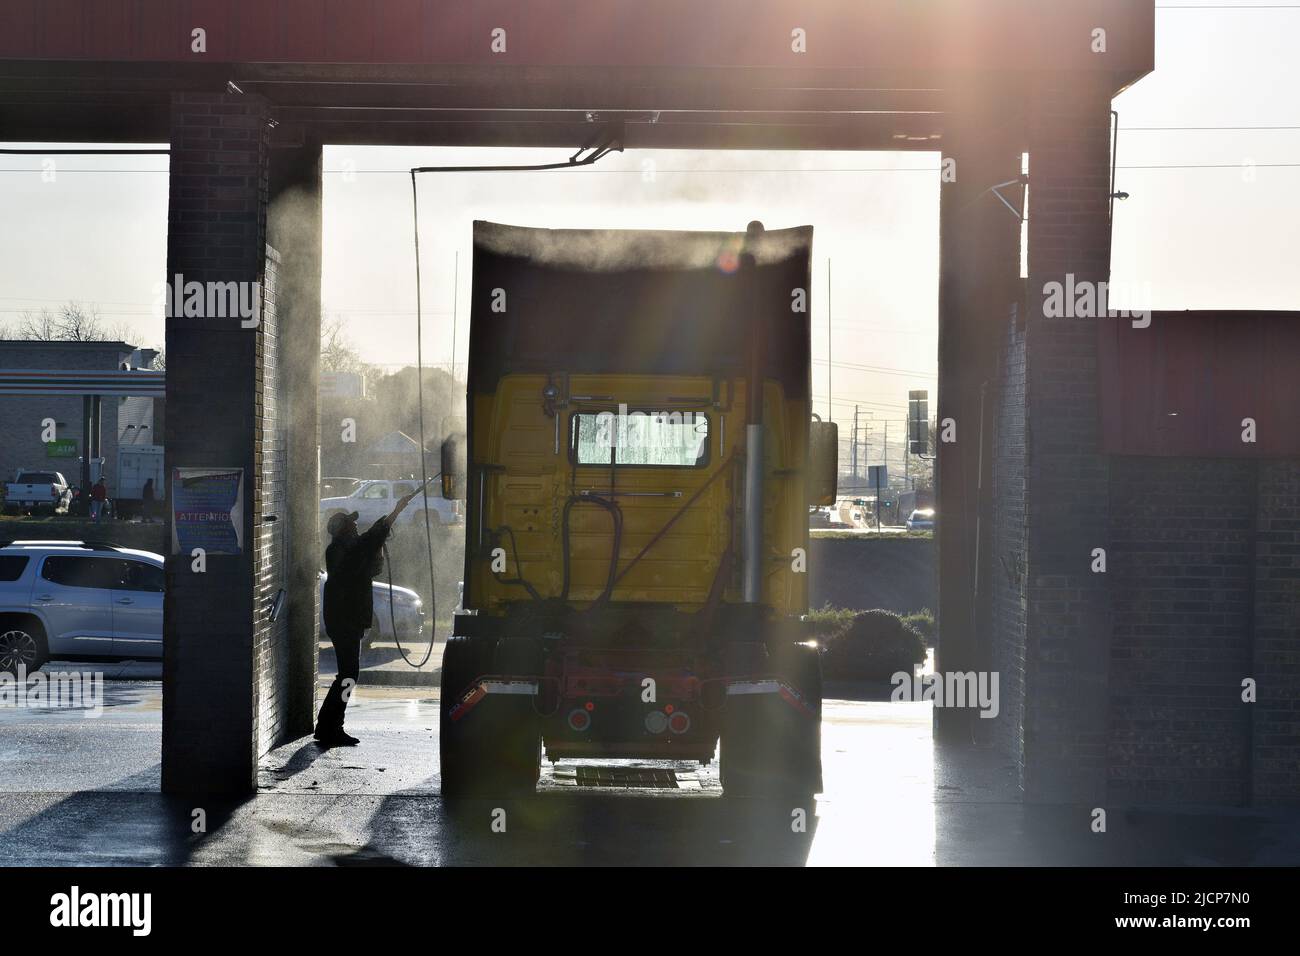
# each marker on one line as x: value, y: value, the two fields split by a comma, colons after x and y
x: 885, y: 462
x: 455, y: 298
x: 830, y: 353
x: 854, y: 452
x: 907, y: 457
x: 878, y: 471
x: 866, y: 451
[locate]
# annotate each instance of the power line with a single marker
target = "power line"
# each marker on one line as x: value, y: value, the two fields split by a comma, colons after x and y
x: 879, y: 369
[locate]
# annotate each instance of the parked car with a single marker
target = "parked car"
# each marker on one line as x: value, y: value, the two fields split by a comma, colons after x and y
x: 922, y: 519
x: 79, y: 601
x: 37, y: 491
x: 376, y: 498
x: 70, y: 600
x: 408, y: 612
x: 336, y: 487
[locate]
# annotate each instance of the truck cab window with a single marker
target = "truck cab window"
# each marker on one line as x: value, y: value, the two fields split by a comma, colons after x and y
x: 677, y: 439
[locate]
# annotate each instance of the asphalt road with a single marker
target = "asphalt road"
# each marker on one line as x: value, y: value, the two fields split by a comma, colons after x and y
x: 77, y: 790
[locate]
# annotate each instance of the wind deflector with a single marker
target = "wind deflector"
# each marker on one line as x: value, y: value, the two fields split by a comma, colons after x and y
x: 634, y: 302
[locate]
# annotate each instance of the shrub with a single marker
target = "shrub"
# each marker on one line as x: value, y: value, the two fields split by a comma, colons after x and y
x: 875, y: 646
x: 828, y: 622
x: 922, y: 621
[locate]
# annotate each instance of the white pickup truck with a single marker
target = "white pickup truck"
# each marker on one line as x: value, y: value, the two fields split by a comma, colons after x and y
x: 37, y: 491
x: 375, y: 498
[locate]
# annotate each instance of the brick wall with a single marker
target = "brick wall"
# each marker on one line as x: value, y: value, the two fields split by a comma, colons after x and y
x: 1008, y: 580
x: 271, y: 638
x: 216, y: 232
x: 1179, y: 571
x: 1067, y: 621
x: 294, y: 229
x: 1275, y: 663
x: 979, y: 279
x: 1132, y: 677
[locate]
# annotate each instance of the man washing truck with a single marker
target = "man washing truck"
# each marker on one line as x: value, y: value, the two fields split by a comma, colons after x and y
x: 352, y: 561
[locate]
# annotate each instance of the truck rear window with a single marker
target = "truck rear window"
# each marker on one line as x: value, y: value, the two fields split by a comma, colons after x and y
x: 12, y: 566
x: 640, y: 438
x: 35, y: 478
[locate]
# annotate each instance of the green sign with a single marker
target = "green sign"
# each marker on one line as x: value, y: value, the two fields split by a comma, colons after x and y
x: 61, y: 448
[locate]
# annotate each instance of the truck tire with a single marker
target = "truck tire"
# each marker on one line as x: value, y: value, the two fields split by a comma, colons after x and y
x: 22, y: 641
x: 770, y: 748
x: 495, y: 749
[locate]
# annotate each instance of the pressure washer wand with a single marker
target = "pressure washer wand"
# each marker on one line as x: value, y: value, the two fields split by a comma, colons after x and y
x: 433, y: 601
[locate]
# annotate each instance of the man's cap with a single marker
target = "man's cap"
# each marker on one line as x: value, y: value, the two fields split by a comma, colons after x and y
x: 339, y: 520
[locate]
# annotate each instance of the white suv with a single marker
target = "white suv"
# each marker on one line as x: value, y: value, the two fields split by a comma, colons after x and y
x: 69, y: 600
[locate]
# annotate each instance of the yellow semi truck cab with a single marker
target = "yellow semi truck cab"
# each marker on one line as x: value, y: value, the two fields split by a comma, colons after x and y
x: 640, y: 458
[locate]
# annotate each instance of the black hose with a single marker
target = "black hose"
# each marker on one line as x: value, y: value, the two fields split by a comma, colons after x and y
x: 392, y: 616
x: 601, y: 144
x: 616, y: 515
x: 519, y: 568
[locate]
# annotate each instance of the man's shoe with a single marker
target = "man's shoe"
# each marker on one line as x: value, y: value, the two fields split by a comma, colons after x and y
x: 336, y: 738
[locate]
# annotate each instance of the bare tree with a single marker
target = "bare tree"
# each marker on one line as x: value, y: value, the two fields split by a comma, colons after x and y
x: 159, y: 363
x: 337, y: 353
x: 84, y: 324
x: 80, y: 324
x: 42, y: 326
x: 73, y: 323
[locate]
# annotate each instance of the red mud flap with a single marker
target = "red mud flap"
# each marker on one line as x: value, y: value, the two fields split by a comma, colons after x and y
x: 504, y: 686
x: 772, y: 686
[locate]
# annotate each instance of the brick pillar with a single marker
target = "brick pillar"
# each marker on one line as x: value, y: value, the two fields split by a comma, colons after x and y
x: 216, y: 232
x: 1067, y: 653
x: 294, y: 228
x: 978, y: 282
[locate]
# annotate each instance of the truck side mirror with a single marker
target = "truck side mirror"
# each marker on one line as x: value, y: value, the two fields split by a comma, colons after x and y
x: 453, y: 469
x: 823, y: 462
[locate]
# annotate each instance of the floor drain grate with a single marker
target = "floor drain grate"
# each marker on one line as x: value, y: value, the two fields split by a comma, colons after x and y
x: 644, y: 778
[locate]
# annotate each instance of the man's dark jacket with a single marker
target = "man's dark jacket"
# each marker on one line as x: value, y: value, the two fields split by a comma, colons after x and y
x: 351, y: 563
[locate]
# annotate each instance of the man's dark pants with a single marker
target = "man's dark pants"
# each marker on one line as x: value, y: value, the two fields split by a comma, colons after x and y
x: 347, y: 652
